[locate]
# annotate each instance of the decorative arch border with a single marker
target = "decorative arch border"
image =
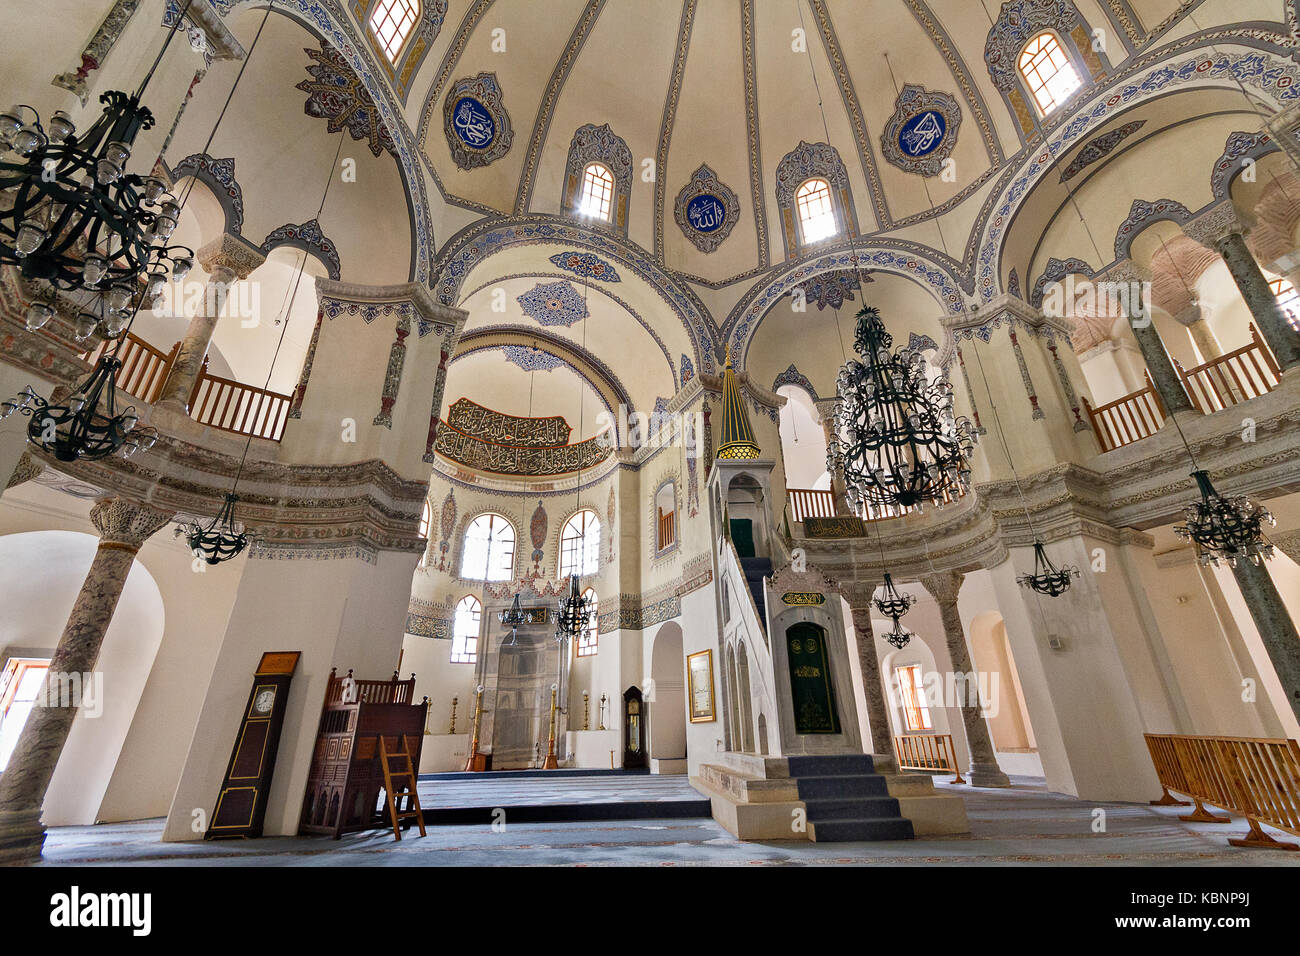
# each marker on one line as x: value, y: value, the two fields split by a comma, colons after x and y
x: 804, y: 162
x: 1239, y: 147
x: 920, y: 267
x: 1057, y: 269
x: 219, y: 176
x: 324, y: 20
x: 484, y: 239
x: 309, y: 238
x: 1257, y: 59
x: 1142, y: 214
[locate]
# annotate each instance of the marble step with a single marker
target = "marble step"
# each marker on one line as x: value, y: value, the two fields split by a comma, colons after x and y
x: 858, y: 785
x: 854, y: 830
x: 853, y: 808
x: 831, y: 765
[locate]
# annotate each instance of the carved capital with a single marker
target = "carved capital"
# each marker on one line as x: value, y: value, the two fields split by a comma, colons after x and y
x: 1288, y: 542
x: 1189, y: 314
x: 26, y: 469
x: 121, y: 521
x: 1219, y: 222
x: 228, y: 258
x: 943, y: 587
x: 1128, y: 271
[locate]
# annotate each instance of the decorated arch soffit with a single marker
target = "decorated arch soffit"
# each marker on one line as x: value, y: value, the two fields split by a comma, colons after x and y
x: 326, y: 20
x: 475, y: 121
x: 1239, y: 148
x: 1142, y: 214
x: 1258, y: 59
x: 219, y: 176
x: 922, y: 132
x: 1057, y: 269
x: 748, y: 314
x: 599, y: 255
x: 308, y: 238
x: 706, y: 210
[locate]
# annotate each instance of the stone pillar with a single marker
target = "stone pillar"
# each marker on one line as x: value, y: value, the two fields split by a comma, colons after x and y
x: 1193, y: 317
x: 1276, y: 629
x: 225, y: 259
x: 839, y: 491
x: 1164, y: 377
x: 873, y: 688
x: 984, y: 769
x: 123, y: 527
x: 1222, y: 230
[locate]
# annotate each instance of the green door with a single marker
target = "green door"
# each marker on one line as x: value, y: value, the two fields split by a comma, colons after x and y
x: 742, y: 536
x: 810, y: 680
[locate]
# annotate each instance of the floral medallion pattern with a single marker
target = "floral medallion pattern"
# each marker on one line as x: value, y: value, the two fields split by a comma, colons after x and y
x: 587, y: 265
x: 337, y: 95
x: 553, y: 303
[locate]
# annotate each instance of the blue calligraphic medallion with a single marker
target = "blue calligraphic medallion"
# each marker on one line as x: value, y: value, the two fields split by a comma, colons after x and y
x: 706, y: 213
x: 475, y: 121
x: 472, y: 123
x: 922, y: 133
x: 706, y: 210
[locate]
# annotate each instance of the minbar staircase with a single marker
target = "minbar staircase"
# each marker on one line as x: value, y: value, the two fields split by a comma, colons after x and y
x: 755, y: 570
x: 847, y: 800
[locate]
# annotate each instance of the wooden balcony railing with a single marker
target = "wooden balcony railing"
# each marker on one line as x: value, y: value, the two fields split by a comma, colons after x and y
x: 932, y: 752
x: 1136, y: 416
x: 392, y: 691
x: 810, y: 503
x: 667, y: 529
x: 219, y: 402
x: 1255, y: 777
x: 1230, y: 379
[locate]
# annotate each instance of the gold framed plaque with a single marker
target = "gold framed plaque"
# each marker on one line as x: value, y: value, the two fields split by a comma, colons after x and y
x: 699, y: 676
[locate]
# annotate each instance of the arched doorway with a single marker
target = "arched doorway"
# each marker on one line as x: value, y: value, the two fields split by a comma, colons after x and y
x: 667, y: 730
x: 1008, y: 716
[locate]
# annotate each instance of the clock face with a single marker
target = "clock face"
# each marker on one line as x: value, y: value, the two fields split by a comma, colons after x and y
x: 264, y: 701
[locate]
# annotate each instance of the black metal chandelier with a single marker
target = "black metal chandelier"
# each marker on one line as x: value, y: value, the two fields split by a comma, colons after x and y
x: 893, y: 604
x: 219, y: 540
x: 573, y: 612
x: 896, y: 440
x: 1047, y: 578
x: 87, y: 425
x: 1226, y: 529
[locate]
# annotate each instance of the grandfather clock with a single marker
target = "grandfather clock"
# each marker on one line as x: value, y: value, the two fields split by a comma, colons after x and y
x: 241, y: 803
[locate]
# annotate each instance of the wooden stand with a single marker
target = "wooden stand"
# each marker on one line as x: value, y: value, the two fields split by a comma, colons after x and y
x: 476, y: 762
x: 1260, y: 840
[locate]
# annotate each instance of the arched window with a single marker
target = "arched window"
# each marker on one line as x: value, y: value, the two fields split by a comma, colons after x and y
x: 597, y: 195
x: 816, y: 214
x: 489, y: 551
x: 911, y: 688
x: 391, y: 21
x: 580, y: 545
x: 665, y: 516
x: 1288, y: 300
x: 1047, y: 71
x: 587, y: 639
x: 426, y: 516
x: 464, y: 633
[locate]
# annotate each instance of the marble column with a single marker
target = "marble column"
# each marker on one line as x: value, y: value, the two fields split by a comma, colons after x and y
x: 984, y: 769
x: 1221, y: 229
x: 1276, y: 628
x: 226, y: 259
x: 1164, y: 378
x: 123, y: 527
x: 873, y: 688
x: 1193, y: 317
x: 839, y: 491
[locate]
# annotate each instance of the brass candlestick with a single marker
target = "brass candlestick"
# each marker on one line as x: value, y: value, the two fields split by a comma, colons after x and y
x: 475, y: 761
x: 551, y: 763
x: 454, y: 702
x: 586, y: 711
x: 602, y: 712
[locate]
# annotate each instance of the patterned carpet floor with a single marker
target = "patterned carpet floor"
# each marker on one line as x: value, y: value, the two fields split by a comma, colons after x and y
x: 1026, y: 824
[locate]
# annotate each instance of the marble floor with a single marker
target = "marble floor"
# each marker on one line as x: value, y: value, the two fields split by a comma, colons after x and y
x: 1023, y: 825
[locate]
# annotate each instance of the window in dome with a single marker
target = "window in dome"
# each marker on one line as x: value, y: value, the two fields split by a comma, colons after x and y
x: 426, y: 516
x: 597, y: 192
x: 465, y: 627
x: 580, y: 545
x: 392, y: 21
x: 489, y: 549
x: 1047, y: 72
x: 1288, y: 300
x: 587, y: 639
x: 816, y: 214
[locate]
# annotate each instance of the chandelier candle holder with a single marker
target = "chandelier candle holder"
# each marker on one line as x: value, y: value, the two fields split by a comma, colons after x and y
x: 220, y: 539
x: 893, y: 604
x: 898, y: 635
x: 573, y: 612
x: 1047, y: 578
x: 896, y: 439
x: 1225, y: 529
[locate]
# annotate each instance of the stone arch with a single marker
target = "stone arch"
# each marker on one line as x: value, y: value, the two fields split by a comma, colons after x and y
x: 1008, y: 717
x: 667, y: 744
x: 309, y: 238
x: 218, y: 175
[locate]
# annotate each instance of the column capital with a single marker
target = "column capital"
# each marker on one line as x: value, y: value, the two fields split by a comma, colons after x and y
x: 1288, y: 542
x: 28, y: 467
x: 228, y: 258
x: 826, y: 409
x: 1189, y: 314
x: 1128, y: 271
x: 943, y: 587
x: 125, y: 523
x: 1216, y: 223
